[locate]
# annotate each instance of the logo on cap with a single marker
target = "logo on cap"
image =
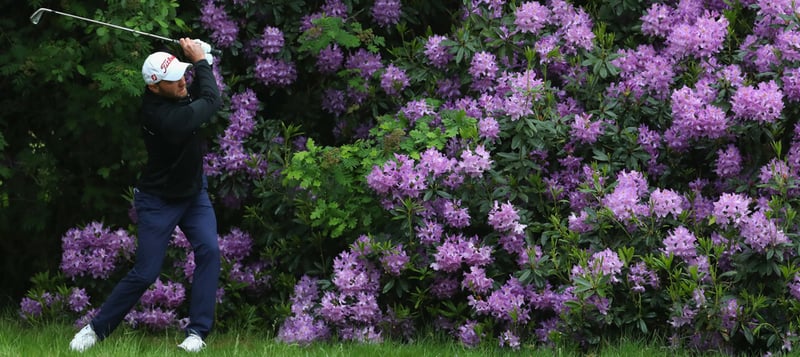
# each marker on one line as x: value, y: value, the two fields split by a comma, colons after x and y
x: 167, y: 61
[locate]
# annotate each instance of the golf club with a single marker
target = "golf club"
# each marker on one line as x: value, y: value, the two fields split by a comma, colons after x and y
x: 37, y: 15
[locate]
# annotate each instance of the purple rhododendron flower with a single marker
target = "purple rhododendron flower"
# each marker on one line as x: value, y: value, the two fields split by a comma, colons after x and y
x: 223, y: 30
x: 386, y: 12
x: 606, y: 262
x: 658, y: 20
x: 531, y: 17
x: 456, y: 250
x: 509, y: 303
x: 791, y: 84
x: 394, y: 80
x: 170, y: 295
x: 624, y: 201
x: 271, y: 41
x: 508, y: 338
x: 438, y: 55
x: 468, y: 335
x: 488, y: 128
x: 334, y: 8
x: 585, y: 130
x: 476, y: 281
x: 729, y: 162
x: 271, y: 71
x: 763, y: 103
x: 394, y: 260
x: 474, y: 163
x: 794, y: 287
x: 504, y: 218
x: 94, y: 250
x: 30, y: 308
x: 154, y: 318
x: 681, y: 243
x: 730, y: 209
x: 665, y: 202
x: 334, y: 101
x: 702, y: 38
x: 580, y: 223
x: 303, y: 327
x: 483, y: 65
x: 365, y: 62
x: 330, y: 59
x: 760, y: 232
x: 416, y: 109
x: 78, y: 300
x: 235, y: 246
x: 639, y: 276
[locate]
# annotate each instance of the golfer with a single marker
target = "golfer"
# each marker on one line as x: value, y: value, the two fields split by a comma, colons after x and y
x: 171, y: 192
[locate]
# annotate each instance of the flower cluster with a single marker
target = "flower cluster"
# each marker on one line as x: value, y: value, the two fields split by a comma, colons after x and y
x: 353, y: 307
x: 394, y: 260
x: 157, y: 306
x: 701, y: 36
x: 38, y: 306
x: 436, y: 53
x: 694, y: 118
x: 94, y: 250
x: 271, y: 41
x: 234, y: 157
x: 386, y: 12
x: 640, y: 276
x: 676, y: 98
x: 405, y: 178
x: 224, y: 31
x: 508, y: 303
x: 544, y: 207
x: 643, y: 71
x: 504, y: 218
x: 330, y: 59
x: 394, y: 80
x: 625, y: 200
x: 763, y: 103
x: 271, y: 71
x: 531, y: 17
x: 457, y: 250
x: 586, y: 131
x: 302, y: 327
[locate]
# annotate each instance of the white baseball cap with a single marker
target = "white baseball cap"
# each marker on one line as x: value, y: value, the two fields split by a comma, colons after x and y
x: 161, y: 66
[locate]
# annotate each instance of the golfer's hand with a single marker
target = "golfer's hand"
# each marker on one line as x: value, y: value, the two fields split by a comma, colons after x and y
x: 207, y: 50
x: 193, y: 51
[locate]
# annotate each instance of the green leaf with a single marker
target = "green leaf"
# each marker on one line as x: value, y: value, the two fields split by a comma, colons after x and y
x: 388, y: 286
x: 347, y: 40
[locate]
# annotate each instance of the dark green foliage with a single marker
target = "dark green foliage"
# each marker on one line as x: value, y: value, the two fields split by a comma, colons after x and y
x: 70, y: 144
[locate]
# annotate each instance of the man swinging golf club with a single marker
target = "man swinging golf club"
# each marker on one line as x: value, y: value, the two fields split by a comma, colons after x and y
x: 171, y: 192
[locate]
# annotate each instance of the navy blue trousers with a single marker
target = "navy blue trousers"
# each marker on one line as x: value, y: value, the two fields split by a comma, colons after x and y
x: 157, y: 219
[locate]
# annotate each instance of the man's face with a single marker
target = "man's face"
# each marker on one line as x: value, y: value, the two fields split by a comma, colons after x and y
x: 171, y: 89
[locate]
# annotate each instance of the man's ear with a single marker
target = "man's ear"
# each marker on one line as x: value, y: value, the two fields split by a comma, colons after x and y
x: 154, y: 88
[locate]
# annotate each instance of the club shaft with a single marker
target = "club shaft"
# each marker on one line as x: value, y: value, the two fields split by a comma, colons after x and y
x: 112, y: 25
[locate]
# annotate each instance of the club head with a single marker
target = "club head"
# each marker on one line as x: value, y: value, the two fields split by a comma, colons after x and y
x: 37, y: 15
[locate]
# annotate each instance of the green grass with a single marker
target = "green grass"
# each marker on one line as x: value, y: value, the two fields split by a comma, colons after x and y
x: 19, y: 339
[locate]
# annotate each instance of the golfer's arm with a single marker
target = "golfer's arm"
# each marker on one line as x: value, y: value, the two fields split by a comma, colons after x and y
x: 206, y: 94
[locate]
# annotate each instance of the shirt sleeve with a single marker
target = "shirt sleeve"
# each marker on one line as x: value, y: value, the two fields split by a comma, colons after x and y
x: 183, y: 120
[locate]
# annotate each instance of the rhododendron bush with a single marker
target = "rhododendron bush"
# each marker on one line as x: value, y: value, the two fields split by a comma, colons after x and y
x: 534, y: 173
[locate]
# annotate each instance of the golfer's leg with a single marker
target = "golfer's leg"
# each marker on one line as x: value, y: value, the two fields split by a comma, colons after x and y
x: 156, y: 222
x: 200, y: 226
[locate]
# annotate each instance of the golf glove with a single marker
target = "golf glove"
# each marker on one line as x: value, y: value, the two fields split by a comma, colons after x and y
x: 207, y: 49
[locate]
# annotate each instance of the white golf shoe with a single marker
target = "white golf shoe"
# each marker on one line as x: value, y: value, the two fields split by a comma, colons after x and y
x: 192, y: 343
x: 84, y: 339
